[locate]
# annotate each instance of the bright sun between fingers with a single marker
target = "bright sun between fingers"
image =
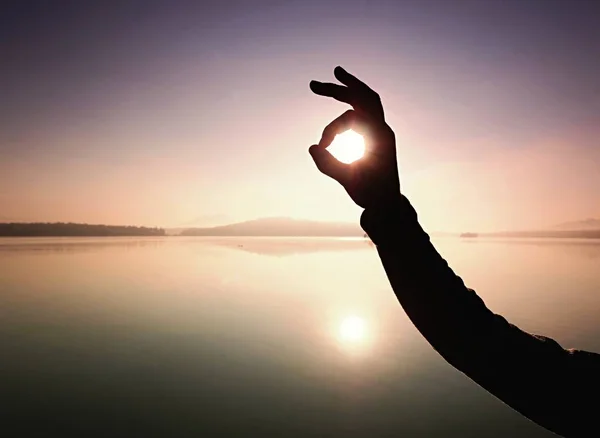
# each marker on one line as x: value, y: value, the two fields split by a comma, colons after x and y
x: 348, y: 146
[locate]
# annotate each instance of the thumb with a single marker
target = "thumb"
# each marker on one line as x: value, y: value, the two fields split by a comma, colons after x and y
x: 328, y: 164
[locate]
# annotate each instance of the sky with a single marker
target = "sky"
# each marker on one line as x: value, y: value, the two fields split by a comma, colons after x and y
x: 181, y: 113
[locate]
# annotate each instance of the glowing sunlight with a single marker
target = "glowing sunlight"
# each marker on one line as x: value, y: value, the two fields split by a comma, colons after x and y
x: 348, y: 146
x: 352, y: 330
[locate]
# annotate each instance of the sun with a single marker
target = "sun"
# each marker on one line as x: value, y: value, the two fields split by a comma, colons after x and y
x: 348, y: 146
x: 352, y: 329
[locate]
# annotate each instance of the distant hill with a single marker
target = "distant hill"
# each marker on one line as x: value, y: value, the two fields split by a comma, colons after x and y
x: 584, y: 229
x: 586, y: 224
x: 280, y: 227
x: 204, y: 221
x: 62, y: 229
x: 545, y: 234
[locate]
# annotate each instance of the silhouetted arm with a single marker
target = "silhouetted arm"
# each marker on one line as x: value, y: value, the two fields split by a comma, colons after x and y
x: 557, y: 388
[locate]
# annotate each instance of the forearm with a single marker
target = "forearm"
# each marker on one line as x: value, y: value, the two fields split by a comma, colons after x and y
x: 533, y: 374
x: 435, y: 299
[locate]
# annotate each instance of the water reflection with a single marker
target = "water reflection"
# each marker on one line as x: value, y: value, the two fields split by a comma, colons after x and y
x: 279, y: 247
x: 352, y: 330
x: 75, y: 244
x: 355, y: 337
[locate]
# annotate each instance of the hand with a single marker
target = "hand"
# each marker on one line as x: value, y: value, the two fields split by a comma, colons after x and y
x: 372, y: 180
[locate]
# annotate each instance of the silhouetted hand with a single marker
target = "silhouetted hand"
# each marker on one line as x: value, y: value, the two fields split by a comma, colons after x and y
x: 372, y: 180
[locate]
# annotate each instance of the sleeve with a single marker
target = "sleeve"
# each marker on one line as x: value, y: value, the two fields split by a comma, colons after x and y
x: 556, y: 388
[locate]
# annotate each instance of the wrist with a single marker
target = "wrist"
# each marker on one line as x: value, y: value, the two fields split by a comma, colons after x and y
x: 386, y: 219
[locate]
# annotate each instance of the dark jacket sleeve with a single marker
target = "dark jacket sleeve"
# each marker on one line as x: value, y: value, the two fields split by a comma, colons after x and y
x: 556, y: 388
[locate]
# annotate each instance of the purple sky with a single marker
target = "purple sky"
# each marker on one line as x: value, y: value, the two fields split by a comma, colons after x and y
x: 178, y: 112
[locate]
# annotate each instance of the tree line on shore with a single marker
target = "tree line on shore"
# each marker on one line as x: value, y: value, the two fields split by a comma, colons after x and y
x: 68, y: 229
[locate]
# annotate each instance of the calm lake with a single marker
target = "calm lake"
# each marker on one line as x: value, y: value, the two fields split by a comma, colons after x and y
x: 261, y: 336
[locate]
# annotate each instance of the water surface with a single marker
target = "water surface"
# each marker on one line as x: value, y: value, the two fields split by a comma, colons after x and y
x: 262, y: 336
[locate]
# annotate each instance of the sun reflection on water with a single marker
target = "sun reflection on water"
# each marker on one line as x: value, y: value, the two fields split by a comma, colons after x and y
x: 353, y: 334
x: 352, y: 329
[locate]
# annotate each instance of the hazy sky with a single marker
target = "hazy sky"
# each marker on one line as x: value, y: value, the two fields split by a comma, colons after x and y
x: 198, y: 112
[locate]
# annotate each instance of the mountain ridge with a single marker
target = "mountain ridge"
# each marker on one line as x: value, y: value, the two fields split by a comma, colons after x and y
x: 279, y: 226
x: 585, y: 224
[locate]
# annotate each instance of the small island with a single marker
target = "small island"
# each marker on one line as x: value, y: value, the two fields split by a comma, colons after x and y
x: 68, y: 229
